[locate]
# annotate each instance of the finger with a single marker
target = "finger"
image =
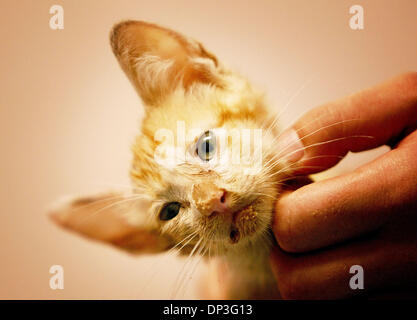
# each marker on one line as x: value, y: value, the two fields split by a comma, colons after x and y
x: 333, y: 210
x: 296, y: 183
x: 362, y: 121
x: 388, y: 261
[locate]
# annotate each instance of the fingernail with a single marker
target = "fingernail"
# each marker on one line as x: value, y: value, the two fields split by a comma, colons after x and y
x: 289, y: 146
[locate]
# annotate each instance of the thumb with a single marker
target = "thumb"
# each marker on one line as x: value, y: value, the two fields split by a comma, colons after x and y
x: 362, y: 121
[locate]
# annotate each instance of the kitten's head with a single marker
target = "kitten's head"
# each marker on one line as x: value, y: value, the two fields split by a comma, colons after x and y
x: 204, y: 171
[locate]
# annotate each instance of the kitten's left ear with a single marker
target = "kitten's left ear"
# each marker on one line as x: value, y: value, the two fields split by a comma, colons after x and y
x: 158, y: 60
x: 113, y: 218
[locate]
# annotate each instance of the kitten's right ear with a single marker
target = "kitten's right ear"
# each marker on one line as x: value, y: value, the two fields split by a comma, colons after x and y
x: 117, y: 219
x: 158, y: 60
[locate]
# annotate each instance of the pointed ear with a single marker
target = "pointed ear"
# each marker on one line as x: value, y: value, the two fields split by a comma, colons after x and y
x: 157, y: 60
x: 117, y: 219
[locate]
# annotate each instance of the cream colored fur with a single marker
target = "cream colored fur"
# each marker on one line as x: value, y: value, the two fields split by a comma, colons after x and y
x: 178, y: 80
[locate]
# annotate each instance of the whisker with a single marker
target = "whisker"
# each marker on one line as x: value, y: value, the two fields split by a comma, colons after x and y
x: 197, y: 261
x: 315, y: 131
x: 129, y: 199
x: 290, y: 100
x: 190, y: 237
x: 277, y: 161
x: 180, y: 275
x: 322, y: 143
x: 84, y: 206
x: 330, y: 141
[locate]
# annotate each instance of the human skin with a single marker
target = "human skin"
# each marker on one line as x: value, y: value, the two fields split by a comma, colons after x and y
x: 367, y: 217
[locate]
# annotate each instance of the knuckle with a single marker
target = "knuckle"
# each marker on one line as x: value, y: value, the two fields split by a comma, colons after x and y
x: 284, y: 227
x: 284, y: 236
x: 285, y: 242
x: 410, y: 77
x: 409, y: 81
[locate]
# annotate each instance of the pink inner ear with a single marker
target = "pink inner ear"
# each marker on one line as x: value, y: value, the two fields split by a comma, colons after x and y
x: 104, y: 218
x: 95, y: 217
x: 140, y: 240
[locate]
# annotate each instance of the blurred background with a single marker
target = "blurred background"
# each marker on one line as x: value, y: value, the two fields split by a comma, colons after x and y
x: 68, y: 114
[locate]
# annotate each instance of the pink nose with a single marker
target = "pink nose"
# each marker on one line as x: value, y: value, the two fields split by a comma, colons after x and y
x: 218, y: 202
x: 208, y: 199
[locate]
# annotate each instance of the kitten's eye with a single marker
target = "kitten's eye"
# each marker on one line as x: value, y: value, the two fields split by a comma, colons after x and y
x: 206, y: 146
x: 169, y: 211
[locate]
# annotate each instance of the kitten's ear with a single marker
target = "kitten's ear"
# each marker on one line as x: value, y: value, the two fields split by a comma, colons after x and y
x: 113, y: 218
x: 157, y: 60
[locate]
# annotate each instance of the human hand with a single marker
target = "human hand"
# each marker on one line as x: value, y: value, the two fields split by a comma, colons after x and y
x: 321, y: 222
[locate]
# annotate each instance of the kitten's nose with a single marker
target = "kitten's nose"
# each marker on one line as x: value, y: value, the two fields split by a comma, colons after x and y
x: 218, y: 202
x: 208, y: 198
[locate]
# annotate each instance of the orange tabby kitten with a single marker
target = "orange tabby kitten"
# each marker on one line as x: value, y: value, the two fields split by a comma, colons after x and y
x: 203, y: 201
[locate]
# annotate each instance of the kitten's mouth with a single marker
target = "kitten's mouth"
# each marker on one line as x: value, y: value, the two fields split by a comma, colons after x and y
x: 234, y: 235
x: 244, y: 223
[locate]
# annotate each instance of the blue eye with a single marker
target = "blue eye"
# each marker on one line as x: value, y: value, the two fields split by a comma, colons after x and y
x: 169, y: 211
x: 206, y: 146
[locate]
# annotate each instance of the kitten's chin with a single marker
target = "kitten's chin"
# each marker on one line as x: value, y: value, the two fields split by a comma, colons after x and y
x: 233, y: 231
x: 244, y: 224
x: 247, y: 225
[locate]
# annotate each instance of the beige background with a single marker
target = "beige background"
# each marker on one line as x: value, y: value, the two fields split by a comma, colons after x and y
x: 68, y: 114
